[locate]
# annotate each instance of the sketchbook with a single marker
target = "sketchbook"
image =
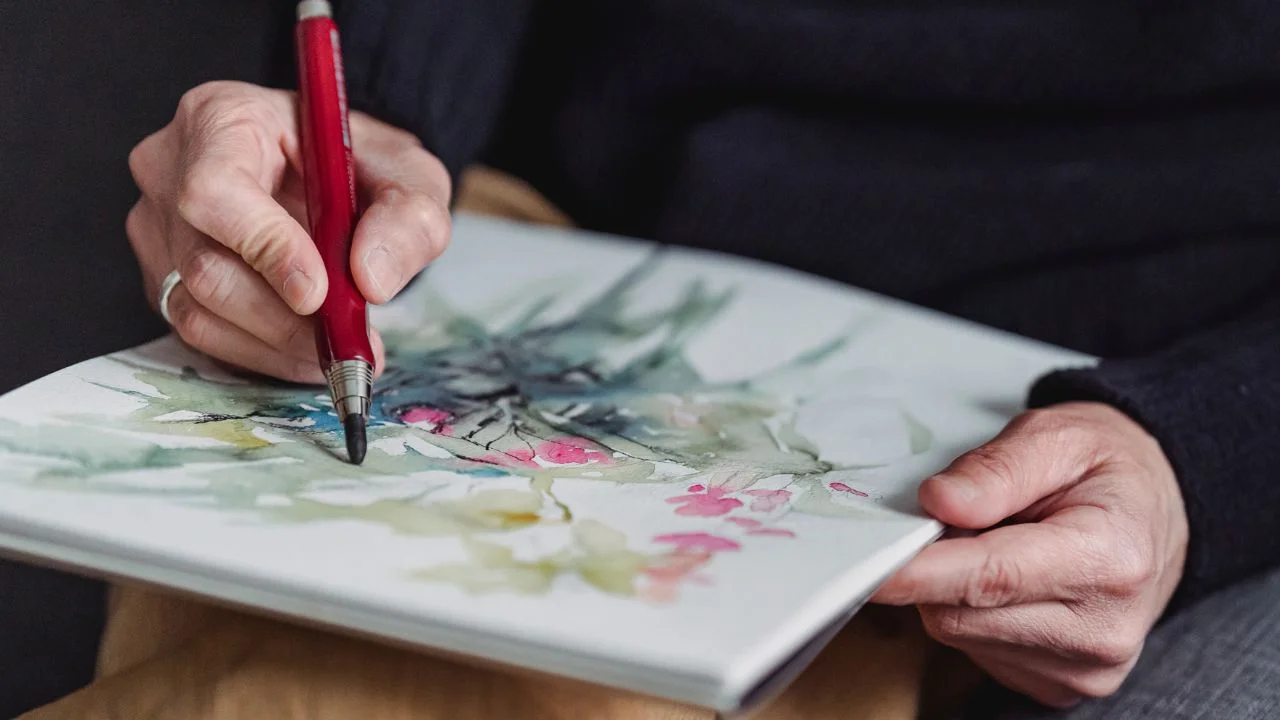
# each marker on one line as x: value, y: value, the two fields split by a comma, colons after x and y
x: 656, y: 469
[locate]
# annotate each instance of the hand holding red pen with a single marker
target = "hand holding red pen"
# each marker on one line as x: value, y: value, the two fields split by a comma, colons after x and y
x: 223, y: 203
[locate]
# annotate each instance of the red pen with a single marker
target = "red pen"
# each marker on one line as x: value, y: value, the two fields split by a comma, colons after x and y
x: 342, y: 323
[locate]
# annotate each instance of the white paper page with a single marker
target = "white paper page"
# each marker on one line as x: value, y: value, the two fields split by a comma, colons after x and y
x: 662, y: 472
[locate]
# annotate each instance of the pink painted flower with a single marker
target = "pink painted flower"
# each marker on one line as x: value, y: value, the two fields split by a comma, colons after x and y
x: 427, y: 415
x: 692, y: 551
x: 677, y: 564
x: 698, y: 541
x: 705, y: 502
x: 571, y: 450
x: 845, y: 488
x: 768, y: 500
x: 755, y: 527
x: 668, y: 571
x: 424, y: 414
x: 567, y: 450
x: 521, y: 454
x: 518, y: 458
x: 661, y: 591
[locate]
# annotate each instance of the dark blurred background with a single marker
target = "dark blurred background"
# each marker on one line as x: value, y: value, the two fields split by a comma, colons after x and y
x: 80, y: 83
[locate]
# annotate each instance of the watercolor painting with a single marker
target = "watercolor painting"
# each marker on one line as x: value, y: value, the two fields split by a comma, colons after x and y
x: 605, y: 394
x: 646, y: 467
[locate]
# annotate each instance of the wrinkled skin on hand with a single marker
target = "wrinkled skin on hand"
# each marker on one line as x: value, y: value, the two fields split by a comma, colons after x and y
x: 1082, y: 540
x: 223, y: 202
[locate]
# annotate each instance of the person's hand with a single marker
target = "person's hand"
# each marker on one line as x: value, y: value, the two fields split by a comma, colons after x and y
x: 1056, y: 601
x: 223, y: 203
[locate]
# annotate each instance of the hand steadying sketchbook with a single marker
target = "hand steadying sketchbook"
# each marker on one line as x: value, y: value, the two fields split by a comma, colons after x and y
x: 647, y: 468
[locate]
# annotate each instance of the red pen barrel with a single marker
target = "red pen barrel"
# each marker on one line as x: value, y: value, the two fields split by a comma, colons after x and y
x: 342, y: 328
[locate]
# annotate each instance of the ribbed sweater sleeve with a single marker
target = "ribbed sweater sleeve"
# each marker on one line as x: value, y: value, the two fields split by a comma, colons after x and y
x: 1213, y: 403
x: 440, y: 69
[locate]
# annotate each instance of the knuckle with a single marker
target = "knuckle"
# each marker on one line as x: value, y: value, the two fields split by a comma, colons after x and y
x: 133, y: 227
x: 1062, y: 434
x: 1072, y: 438
x: 384, y: 136
x: 218, y: 110
x: 438, y: 173
x: 430, y: 217
x: 1090, y: 553
x: 418, y: 162
x: 298, y: 333
x: 422, y: 220
x: 1096, y: 684
x: 1062, y: 699
x: 137, y: 160
x: 404, y: 138
x: 199, y: 186
x: 149, y: 162
x: 265, y: 244
x: 198, y: 99
x: 194, y: 99
x: 994, y: 464
x: 1114, y: 649
x: 140, y: 162
x: 1131, y: 568
x: 947, y: 625
x: 1041, y: 420
x: 993, y: 585
x: 209, y: 277
x: 240, y: 116
x: 190, y: 323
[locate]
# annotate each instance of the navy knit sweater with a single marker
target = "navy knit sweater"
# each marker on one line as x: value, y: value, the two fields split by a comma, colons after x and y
x: 1103, y: 175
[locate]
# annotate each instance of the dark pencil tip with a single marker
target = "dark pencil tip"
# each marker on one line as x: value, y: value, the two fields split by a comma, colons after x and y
x: 356, y: 442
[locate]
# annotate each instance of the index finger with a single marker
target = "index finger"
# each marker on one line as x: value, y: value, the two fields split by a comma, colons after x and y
x: 1015, y: 564
x: 222, y: 194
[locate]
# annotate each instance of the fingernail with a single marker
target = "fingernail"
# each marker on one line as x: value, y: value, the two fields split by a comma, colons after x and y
x: 384, y: 272
x: 960, y: 487
x: 297, y: 288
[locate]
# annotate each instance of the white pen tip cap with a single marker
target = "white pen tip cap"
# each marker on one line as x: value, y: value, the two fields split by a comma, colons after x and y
x: 314, y: 8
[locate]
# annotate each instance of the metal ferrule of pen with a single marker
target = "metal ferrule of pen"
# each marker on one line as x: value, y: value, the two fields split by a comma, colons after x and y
x: 351, y: 385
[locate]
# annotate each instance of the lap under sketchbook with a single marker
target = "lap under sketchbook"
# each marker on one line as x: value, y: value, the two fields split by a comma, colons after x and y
x: 646, y: 467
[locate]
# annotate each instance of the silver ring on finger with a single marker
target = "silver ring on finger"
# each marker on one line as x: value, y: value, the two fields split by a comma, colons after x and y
x: 171, y: 281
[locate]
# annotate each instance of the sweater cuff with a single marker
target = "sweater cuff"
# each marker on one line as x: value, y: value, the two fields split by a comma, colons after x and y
x: 441, y: 70
x: 1198, y: 407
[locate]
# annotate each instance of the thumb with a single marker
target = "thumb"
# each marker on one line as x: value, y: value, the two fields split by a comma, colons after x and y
x: 1036, y: 455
